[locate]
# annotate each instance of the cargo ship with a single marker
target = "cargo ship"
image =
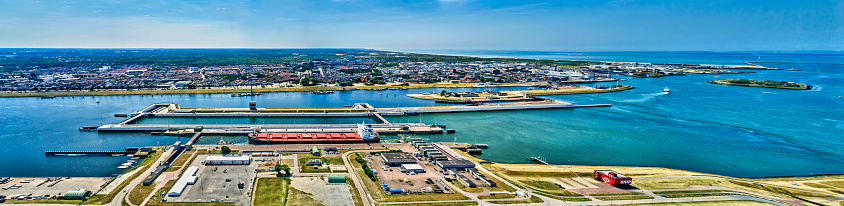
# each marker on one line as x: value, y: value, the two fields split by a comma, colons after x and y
x: 363, y: 134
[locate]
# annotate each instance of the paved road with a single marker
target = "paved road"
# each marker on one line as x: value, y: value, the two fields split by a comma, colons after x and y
x: 118, y: 199
x: 356, y: 178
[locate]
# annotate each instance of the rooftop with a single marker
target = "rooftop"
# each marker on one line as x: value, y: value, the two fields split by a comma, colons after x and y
x: 398, y: 156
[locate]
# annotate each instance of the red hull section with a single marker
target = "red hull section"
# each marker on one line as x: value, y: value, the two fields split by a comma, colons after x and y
x: 612, y: 178
x: 306, y: 138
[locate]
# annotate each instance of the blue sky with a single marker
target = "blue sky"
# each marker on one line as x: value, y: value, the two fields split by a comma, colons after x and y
x: 571, y: 25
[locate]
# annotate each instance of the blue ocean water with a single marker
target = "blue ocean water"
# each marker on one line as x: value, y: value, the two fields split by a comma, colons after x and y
x: 727, y: 130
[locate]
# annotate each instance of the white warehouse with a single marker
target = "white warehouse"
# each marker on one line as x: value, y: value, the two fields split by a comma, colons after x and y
x: 227, y: 160
x: 186, y: 179
x: 415, y: 168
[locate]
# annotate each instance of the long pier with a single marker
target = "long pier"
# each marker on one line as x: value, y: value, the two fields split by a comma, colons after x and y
x: 87, y: 153
x: 538, y: 159
x: 383, y: 126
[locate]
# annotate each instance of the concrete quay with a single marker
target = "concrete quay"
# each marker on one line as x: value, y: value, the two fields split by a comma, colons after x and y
x: 357, y: 110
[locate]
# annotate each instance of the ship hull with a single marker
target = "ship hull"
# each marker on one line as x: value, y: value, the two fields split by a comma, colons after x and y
x: 309, y: 138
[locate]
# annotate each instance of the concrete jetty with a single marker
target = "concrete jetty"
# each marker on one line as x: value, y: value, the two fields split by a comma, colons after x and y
x: 358, y: 110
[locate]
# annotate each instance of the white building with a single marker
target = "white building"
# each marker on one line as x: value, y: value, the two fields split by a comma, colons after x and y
x: 186, y: 179
x: 415, y: 168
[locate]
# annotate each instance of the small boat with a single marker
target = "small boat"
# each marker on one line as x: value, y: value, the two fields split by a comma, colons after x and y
x: 48, y: 97
x: 379, y: 93
x: 403, y: 88
x: 665, y: 90
x: 98, y: 101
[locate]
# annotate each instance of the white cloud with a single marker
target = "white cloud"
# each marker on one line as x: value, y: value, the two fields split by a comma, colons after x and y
x: 121, y: 32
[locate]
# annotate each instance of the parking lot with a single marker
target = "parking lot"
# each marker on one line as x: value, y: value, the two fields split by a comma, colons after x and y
x: 395, y: 178
x: 89, y: 183
x: 219, y: 182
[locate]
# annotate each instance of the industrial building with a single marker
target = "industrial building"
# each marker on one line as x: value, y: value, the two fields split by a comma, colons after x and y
x: 227, y: 160
x: 478, y: 176
x: 415, y: 168
x: 314, y: 162
x: 315, y: 151
x: 398, y: 158
x: 187, y: 178
x: 76, y: 194
x: 457, y: 164
x: 336, y: 178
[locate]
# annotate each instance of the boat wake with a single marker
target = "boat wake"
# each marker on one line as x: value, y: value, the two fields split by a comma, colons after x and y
x: 646, y: 97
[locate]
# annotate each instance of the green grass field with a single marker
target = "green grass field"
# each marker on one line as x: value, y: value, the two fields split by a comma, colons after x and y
x: 140, y: 192
x: 533, y: 199
x: 638, y: 197
x: 710, y: 203
x: 271, y: 191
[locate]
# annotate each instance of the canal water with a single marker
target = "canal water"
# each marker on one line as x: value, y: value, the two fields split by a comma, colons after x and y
x: 727, y: 130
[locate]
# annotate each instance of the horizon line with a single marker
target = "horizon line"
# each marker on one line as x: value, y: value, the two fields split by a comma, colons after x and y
x: 444, y: 49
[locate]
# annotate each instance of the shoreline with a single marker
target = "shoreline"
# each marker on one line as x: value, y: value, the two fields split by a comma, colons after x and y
x: 246, y: 90
x: 516, y: 93
x: 535, y: 164
x: 761, y: 84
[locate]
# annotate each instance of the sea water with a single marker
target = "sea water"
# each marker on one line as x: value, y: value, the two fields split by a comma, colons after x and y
x: 726, y: 130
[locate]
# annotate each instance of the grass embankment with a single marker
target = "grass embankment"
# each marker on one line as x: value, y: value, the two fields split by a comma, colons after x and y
x: 678, y: 183
x: 707, y: 203
x: 497, y: 196
x: 779, y: 191
x: 546, y: 187
x: 688, y: 191
x: 761, y: 83
x: 104, y: 199
x: 181, y: 161
x: 303, y: 163
x: 236, y: 90
x: 354, y: 190
x: 435, y: 204
x: 636, y: 197
x: 378, y: 194
x: 615, y: 194
x: 698, y: 195
x: 140, y: 193
x: 838, y: 184
x: 532, y: 199
x: 271, y: 191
